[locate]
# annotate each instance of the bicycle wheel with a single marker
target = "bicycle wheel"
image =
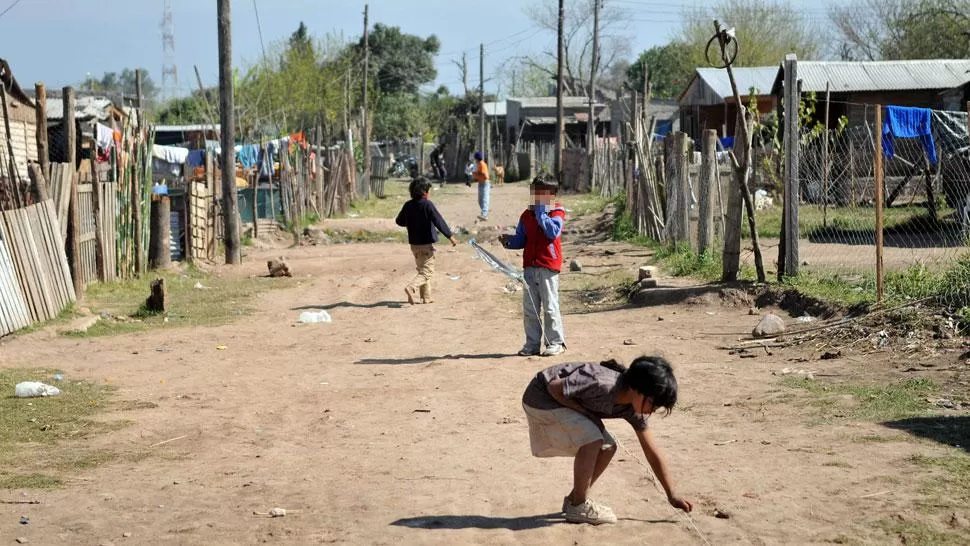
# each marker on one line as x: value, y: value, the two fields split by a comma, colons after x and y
x: 730, y: 49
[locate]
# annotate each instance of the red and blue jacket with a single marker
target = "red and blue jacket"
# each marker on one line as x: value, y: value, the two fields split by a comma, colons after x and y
x: 539, y: 234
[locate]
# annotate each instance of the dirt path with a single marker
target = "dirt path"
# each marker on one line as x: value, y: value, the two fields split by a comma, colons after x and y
x: 402, y: 425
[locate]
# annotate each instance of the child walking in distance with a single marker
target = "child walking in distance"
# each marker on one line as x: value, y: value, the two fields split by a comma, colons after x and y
x: 538, y: 233
x: 565, y: 406
x: 480, y: 175
x: 423, y: 221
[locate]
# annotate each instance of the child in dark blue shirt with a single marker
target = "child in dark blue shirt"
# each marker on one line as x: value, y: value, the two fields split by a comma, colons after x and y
x: 423, y: 222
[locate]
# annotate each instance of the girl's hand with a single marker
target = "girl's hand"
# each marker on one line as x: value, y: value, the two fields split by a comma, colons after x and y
x: 681, y: 504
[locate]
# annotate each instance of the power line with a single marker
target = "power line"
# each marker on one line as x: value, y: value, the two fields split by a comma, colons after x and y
x: 10, y: 7
x: 259, y: 29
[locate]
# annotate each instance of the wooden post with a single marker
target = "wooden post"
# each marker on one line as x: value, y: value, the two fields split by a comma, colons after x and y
x: 591, y: 121
x: 43, y: 149
x: 228, y: 134
x: 254, y: 184
x: 481, y: 101
x: 678, y: 204
x: 99, y: 251
x: 13, y: 175
x: 74, y: 214
x: 930, y: 196
x: 731, y: 257
x: 560, y: 114
x: 708, y: 177
x: 879, y: 205
x: 365, y: 127
x: 825, y: 160
x: 159, y: 242
x: 788, y: 253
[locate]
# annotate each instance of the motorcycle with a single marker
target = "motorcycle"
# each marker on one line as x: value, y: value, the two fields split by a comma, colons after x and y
x: 404, y: 167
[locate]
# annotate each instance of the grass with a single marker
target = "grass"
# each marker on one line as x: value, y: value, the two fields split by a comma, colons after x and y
x: 868, y: 402
x: 916, y: 533
x: 31, y: 428
x: 395, y: 194
x: 364, y: 236
x: 221, y: 300
x: 66, y: 315
x: 812, y: 220
x: 953, y: 480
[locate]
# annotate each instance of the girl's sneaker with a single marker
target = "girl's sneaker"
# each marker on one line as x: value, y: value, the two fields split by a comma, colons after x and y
x: 589, y: 512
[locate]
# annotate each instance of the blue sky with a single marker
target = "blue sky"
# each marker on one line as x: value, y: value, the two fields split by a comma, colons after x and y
x: 77, y: 37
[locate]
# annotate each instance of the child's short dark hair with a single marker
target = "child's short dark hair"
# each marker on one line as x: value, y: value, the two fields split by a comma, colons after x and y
x: 651, y: 376
x: 419, y: 186
x: 545, y: 182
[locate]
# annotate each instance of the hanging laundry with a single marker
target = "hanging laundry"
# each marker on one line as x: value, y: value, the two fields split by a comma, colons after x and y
x: 103, y: 135
x: 908, y: 122
x: 171, y: 154
x: 196, y: 158
x: 248, y: 155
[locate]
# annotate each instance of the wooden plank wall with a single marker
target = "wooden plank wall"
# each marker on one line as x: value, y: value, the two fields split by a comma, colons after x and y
x: 60, y: 192
x: 38, y: 258
x: 87, y: 240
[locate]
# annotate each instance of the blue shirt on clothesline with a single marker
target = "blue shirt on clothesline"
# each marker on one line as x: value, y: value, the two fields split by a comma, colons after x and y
x: 908, y: 122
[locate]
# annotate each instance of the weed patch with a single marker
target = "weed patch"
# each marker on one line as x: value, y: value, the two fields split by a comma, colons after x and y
x: 867, y: 402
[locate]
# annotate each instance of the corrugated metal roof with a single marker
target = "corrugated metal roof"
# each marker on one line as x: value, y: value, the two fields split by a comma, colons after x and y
x: 550, y: 102
x: 85, y: 108
x: 186, y: 128
x: 712, y: 85
x: 495, y: 109
x: 925, y: 74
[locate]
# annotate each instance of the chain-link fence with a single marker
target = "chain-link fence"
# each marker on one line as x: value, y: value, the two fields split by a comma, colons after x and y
x: 926, y: 198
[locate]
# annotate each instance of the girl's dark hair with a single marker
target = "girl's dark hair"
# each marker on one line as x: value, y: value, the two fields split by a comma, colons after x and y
x: 418, y: 187
x: 651, y: 376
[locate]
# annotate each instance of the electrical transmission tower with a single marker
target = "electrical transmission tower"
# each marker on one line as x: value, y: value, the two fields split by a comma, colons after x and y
x: 170, y: 73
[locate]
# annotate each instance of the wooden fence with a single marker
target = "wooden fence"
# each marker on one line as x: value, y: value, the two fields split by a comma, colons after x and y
x: 35, y: 282
x: 87, y: 236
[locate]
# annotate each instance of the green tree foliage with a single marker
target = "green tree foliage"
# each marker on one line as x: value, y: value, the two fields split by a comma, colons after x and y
x: 400, y: 63
x: 671, y: 67
x: 766, y: 30
x: 120, y: 86
x: 902, y: 29
x: 190, y: 110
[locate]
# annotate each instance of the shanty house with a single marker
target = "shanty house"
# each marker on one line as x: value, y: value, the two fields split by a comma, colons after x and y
x: 854, y: 87
x: 708, y: 101
x: 89, y: 111
x: 534, y: 118
x: 23, y: 126
x: 663, y: 113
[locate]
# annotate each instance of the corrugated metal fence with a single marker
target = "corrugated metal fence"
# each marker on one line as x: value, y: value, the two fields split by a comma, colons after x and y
x: 35, y: 282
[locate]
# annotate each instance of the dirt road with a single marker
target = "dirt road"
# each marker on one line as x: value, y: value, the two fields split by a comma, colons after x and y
x: 402, y: 425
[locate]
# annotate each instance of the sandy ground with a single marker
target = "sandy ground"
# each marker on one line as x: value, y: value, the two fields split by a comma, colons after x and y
x: 403, y: 425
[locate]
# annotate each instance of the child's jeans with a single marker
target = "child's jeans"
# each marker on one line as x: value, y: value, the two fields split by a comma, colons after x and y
x: 484, y: 189
x: 541, y: 295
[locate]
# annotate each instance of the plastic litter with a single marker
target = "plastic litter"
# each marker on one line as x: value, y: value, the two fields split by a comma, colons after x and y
x: 311, y: 317
x: 34, y: 389
x: 806, y: 318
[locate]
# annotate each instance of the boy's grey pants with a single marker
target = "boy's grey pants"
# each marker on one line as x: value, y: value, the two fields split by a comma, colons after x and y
x: 541, y: 295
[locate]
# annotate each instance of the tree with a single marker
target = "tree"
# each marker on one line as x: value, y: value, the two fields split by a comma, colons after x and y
x: 670, y: 66
x: 902, y: 29
x: 578, y: 39
x: 767, y: 30
x: 120, y: 88
x: 189, y: 110
x: 400, y: 62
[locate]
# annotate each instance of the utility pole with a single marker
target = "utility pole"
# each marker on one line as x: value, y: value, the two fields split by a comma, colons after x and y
x: 365, y: 130
x: 230, y: 215
x: 591, y: 122
x: 481, y: 100
x: 560, y: 127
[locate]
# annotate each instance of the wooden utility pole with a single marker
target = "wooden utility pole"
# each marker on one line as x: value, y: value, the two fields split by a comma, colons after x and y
x: 560, y: 126
x: 591, y: 122
x: 43, y: 149
x: 788, y: 252
x: 481, y: 99
x: 136, y: 190
x: 101, y: 264
x: 365, y: 129
x: 880, y: 203
x: 227, y: 120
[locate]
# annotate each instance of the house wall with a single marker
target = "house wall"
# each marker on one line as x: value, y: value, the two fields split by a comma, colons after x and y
x: 694, y: 120
x: 23, y: 135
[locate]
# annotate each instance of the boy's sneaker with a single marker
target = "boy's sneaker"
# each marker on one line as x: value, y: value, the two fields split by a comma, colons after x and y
x: 525, y: 351
x: 483, y: 218
x: 589, y: 512
x: 554, y: 350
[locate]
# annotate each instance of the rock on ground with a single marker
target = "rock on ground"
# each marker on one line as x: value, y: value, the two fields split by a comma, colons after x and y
x: 771, y: 325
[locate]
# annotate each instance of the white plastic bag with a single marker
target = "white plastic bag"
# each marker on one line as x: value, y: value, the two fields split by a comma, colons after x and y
x: 310, y: 317
x: 33, y: 389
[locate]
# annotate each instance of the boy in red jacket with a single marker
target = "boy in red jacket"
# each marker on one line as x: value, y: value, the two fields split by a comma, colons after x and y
x: 539, y: 235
